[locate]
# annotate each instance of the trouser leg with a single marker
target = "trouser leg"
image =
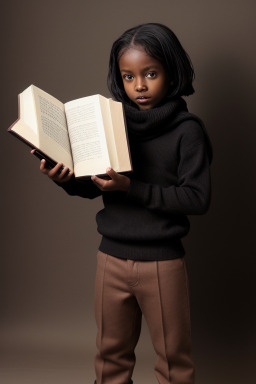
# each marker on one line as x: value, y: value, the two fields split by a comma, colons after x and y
x: 163, y: 298
x: 118, y: 319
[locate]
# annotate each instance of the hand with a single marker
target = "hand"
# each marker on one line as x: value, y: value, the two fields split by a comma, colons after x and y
x: 117, y: 183
x: 55, y: 174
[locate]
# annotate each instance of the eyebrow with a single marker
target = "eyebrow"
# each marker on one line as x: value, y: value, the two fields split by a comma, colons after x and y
x: 144, y: 69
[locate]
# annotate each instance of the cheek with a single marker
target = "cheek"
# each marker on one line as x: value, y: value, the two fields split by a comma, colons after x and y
x: 127, y: 88
x: 159, y: 89
x: 164, y: 87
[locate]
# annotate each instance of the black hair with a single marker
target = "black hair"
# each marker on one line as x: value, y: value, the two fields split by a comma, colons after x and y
x: 160, y: 43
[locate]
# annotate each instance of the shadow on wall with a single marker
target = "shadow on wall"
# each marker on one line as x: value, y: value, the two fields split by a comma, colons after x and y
x: 223, y: 261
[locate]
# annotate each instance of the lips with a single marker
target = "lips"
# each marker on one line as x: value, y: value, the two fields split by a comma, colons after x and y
x: 142, y: 99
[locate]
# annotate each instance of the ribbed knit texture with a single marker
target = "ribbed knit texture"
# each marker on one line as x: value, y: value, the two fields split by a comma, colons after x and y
x: 171, y: 153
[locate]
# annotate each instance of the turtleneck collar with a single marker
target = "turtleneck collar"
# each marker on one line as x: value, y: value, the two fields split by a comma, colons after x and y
x: 151, y: 123
x: 148, y: 124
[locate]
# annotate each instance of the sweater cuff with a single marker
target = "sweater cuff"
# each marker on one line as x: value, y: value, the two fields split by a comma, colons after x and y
x: 67, y: 186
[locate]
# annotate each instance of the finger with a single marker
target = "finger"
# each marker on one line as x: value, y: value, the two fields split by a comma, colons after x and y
x: 42, y: 166
x: 64, y: 172
x: 100, y: 183
x: 32, y: 152
x: 114, y: 175
x: 55, y: 170
x: 68, y: 176
x: 64, y: 179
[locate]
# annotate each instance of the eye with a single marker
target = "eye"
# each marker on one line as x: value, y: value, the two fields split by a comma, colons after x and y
x: 151, y: 75
x: 127, y: 77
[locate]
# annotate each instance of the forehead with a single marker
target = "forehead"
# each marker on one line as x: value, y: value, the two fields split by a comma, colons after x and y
x: 135, y: 58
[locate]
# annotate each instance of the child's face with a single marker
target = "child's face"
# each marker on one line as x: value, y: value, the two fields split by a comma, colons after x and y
x: 145, y: 80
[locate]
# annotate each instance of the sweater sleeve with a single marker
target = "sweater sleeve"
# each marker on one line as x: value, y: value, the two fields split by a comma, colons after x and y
x: 82, y: 188
x: 192, y: 193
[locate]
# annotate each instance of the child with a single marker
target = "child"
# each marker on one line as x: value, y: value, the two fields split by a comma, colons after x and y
x: 141, y: 268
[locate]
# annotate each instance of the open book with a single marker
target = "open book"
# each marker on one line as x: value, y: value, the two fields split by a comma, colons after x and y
x: 87, y: 135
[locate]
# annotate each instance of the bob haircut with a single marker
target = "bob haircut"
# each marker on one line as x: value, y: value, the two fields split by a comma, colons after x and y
x: 160, y: 43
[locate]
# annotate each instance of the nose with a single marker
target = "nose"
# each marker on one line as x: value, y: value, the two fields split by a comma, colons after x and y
x: 140, y: 85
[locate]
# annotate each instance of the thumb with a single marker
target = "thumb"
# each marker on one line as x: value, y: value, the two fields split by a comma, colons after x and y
x: 114, y: 175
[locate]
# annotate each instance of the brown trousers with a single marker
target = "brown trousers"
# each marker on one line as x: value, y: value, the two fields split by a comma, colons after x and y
x: 126, y: 289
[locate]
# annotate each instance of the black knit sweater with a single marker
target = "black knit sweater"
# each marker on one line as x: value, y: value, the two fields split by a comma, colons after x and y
x: 171, y: 153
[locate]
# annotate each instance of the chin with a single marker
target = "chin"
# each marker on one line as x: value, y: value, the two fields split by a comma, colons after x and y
x: 146, y: 107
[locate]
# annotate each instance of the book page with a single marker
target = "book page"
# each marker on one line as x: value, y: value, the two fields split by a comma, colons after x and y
x: 26, y: 125
x: 87, y: 136
x: 27, y: 109
x: 109, y: 132
x: 120, y: 136
x: 52, y: 127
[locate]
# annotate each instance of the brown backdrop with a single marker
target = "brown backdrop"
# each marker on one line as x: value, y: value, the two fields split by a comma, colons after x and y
x: 49, y: 240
